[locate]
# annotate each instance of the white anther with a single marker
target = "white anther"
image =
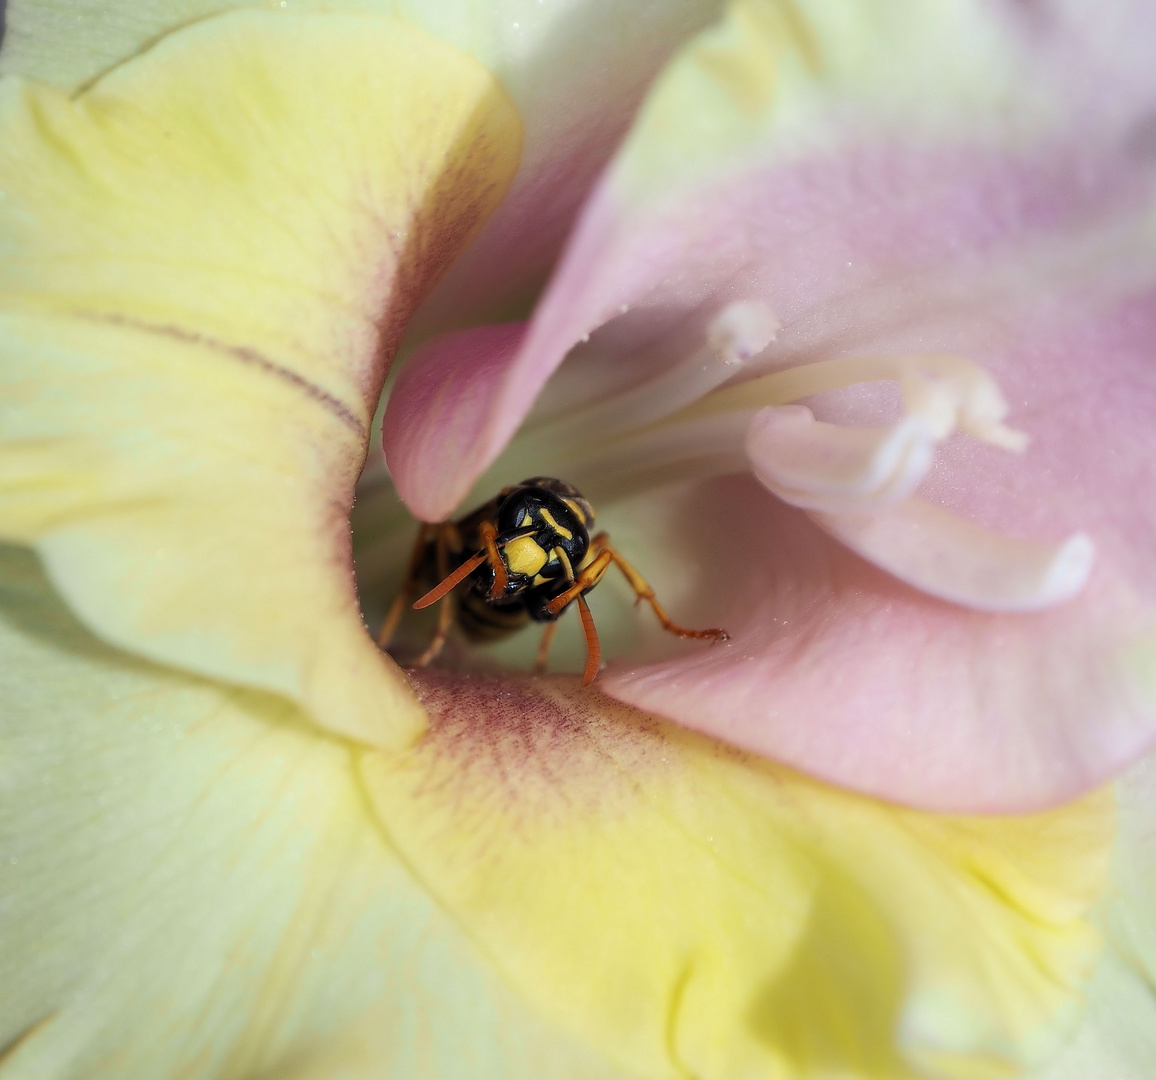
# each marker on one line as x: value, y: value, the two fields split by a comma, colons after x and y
x: 742, y: 330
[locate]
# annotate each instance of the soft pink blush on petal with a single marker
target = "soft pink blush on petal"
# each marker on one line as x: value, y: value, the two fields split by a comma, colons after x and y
x: 848, y: 674
x: 575, y: 119
x: 841, y: 247
x: 437, y: 409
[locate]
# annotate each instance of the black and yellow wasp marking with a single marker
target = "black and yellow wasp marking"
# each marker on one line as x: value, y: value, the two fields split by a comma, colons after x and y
x: 526, y: 555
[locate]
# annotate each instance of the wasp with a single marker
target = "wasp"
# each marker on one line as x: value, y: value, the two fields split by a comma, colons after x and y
x: 524, y: 556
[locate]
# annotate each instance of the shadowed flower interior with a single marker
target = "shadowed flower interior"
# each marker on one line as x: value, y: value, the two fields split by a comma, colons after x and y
x: 856, y: 480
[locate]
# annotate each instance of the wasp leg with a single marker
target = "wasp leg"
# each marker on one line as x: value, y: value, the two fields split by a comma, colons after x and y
x: 544, y: 646
x: 407, y: 589
x: 593, y: 645
x: 489, y: 534
x: 488, y: 554
x: 586, y: 579
x: 447, y: 535
x: 643, y: 591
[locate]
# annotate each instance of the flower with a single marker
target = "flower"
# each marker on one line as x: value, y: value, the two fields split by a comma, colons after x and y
x: 233, y: 848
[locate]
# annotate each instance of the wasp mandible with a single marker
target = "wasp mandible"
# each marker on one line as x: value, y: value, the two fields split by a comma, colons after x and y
x: 526, y: 555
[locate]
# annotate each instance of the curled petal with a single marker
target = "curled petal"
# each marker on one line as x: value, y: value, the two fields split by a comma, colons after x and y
x: 947, y: 556
x: 206, y: 268
x: 439, y: 402
x: 820, y: 466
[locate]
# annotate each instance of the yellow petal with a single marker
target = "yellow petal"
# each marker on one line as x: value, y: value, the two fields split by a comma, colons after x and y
x: 205, y: 261
x: 696, y: 912
x: 192, y: 886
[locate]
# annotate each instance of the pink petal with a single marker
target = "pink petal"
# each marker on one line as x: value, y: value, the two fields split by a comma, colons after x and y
x: 577, y: 72
x: 844, y: 672
x: 840, y: 247
x: 437, y: 410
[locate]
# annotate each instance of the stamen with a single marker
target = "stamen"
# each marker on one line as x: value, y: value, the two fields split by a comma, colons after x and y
x: 740, y: 331
x: 664, y: 453
x: 948, y: 392
x: 857, y: 482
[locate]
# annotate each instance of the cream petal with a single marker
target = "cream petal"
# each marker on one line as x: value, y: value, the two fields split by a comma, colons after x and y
x: 206, y: 268
x: 191, y: 886
x: 545, y: 55
x: 696, y: 911
x: 1117, y: 1034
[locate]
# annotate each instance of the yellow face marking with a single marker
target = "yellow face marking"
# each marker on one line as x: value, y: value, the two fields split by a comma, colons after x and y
x: 525, y: 519
x: 579, y: 513
x: 566, y: 534
x: 525, y: 556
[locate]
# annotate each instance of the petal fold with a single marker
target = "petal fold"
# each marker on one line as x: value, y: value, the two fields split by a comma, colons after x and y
x: 435, y: 409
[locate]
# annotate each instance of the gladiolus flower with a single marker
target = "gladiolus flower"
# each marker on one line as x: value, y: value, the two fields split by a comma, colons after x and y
x: 237, y: 839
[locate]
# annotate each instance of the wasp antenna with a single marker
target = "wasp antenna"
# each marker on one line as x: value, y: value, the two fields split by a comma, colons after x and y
x: 593, y: 646
x: 462, y: 572
x: 516, y: 534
